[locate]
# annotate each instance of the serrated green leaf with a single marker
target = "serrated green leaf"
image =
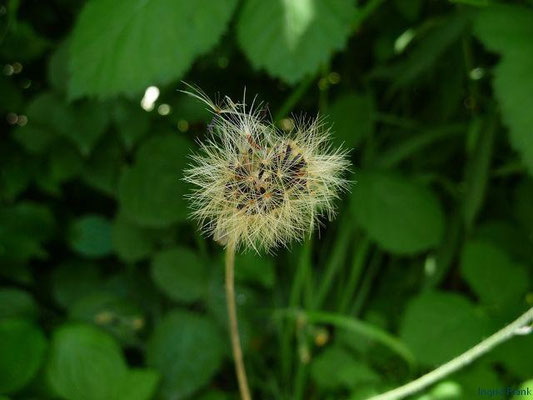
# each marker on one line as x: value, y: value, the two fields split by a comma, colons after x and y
x: 401, y: 216
x: 102, y: 169
x: 24, y: 228
x: 187, y: 349
x: 507, y: 30
x: 123, y: 46
x: 17, y: 171
x: 22, y: 349
x: 64, y: 162
x: 57, y: 71
x: 291, y: 39
x: 50, y: 116
x: 23, y: 43
x: 91, y: 236
x: 444, y: 318
x: 44, y: 113
x: 151, y: 192
x: 180, y: 274
x: 87, y: 122
x: 131, y: 121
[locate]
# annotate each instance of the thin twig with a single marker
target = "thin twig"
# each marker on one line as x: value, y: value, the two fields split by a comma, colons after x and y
x: 461, y: 361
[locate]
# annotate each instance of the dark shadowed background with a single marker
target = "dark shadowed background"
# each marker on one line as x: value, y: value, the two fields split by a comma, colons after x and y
x: 108, y: 292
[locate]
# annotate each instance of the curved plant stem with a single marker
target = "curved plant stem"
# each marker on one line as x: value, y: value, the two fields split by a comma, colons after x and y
x: 352, y: 325
x: 459, y: 362
x: 234, y: 329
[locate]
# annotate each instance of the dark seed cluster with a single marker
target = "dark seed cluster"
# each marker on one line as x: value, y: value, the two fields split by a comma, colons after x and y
x: 259, y: 185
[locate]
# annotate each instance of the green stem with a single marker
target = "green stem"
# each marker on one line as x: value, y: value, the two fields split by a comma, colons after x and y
x: 302, y: 274
x: 360, y: 254
x: 365, y: 12
x: 323, y: 87
x: 294, y: 98
x: 300, y: 278
x: 234, y: 328
x: 477, y: 173
x: 335, y: 261
x: 514, y: 167
x: 301, y: 378
x: 418, y: 142
x: 366, y: 285
x: 461, y: 361
x: 394, y: 120
x: 353, y: 325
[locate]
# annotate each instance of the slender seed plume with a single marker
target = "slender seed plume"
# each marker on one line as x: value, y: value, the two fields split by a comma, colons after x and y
x: 258, y: 187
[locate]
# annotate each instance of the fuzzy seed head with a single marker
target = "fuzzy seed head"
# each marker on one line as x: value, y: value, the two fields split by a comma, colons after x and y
x: 257, y: 187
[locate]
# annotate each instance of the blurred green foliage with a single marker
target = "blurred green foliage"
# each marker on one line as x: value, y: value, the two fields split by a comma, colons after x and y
x: 108, y: 291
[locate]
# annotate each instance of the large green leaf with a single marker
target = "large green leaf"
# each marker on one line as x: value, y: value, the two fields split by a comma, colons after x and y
x: 523, y: 207
x: 151, y: 192
x: 180, y: 274
x: 22, y: 42
x: 90, y: 236
x: 132, y: 122
x: 508, y: 29
x: 335, y: 367
x: 495, y: 279
x: 102, y: 169
x: 130, y: 242
x: 22, y: 349
x: 187, y: 349
x: 140, y: 384
x: 438, y: 326
x: 291, y: 39
x: 50, y: 115
x: 402, y: 216
x: 74, y: 279
x: 17, y: 303
x: 122, y: 46
x: 515, y: 355
x: 508, y: 237
x: 23, y: 229
x: 85, y: 364
x: 117, y: 315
